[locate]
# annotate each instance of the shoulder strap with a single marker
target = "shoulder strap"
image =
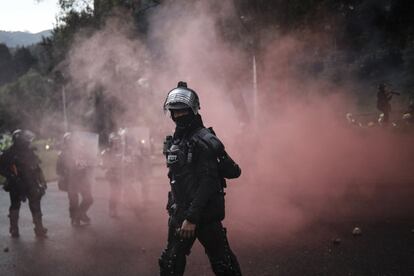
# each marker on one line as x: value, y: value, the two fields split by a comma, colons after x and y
x: 208, y: 138
x: 226, y: 165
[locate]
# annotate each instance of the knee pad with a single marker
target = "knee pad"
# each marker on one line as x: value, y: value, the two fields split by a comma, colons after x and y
x: 165, y: 263
x: 229, y: 266
x: 171, y: 264
x: 226, y: 264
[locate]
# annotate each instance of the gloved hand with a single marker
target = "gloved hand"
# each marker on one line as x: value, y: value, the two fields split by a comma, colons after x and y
x: 187, y: 229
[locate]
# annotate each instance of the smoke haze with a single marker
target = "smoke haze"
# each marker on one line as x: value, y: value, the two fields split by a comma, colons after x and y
x: 300, y: 160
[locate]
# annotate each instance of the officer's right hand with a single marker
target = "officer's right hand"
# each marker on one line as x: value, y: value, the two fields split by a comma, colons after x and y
x: 187, y: 229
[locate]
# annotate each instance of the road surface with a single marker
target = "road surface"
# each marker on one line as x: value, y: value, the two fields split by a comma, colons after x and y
x: 132, y: 244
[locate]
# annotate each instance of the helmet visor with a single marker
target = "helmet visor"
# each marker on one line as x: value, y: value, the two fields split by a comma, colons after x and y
x: 181, y: 98
x: 176, y: 106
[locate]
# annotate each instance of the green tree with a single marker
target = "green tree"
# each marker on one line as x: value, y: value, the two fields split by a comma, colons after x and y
x: 6, y: 64
x: 23, y: 60
x: 32, y: 102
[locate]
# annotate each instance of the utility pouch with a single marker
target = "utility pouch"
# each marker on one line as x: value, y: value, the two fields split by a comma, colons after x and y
x: 167, y: 144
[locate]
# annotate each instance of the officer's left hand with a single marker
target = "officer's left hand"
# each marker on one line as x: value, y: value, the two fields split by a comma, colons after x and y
x: 187, y: 229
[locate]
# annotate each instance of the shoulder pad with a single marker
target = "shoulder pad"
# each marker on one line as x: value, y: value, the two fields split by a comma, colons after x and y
x: 207, y: 136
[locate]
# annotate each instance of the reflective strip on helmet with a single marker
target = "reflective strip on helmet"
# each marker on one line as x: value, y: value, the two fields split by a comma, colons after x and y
x: 182, y: 98
x: 179, y: 95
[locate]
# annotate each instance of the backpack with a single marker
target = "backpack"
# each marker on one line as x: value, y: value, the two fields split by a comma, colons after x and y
x: 227, y: 168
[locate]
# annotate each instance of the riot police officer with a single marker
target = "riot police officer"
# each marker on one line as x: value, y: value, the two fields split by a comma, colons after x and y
x: 384, y: 96
x: 121, y: 162
x: 113, y: 158
x: 25, y: 180
x: 196, y: 200
x: 74, y: 179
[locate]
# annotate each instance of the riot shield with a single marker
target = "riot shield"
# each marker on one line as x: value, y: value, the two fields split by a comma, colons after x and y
x: 85, y: 148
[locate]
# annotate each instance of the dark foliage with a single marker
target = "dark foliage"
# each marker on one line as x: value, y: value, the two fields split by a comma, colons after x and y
x: 6, y: 62
x: 376, y: 37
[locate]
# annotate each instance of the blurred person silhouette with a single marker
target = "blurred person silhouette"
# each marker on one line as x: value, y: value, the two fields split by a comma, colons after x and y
x: 384, y: 96
x: 25, y: 180
x: 74, y: 178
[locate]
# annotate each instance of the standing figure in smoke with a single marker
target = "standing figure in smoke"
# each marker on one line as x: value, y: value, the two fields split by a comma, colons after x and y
x: 74, y: 177
x: 25, y: 180
x: 408, y: 116
x: 113, y: 158
x: 384, y: 97
x: 121, y: 163
x: 196, y: 200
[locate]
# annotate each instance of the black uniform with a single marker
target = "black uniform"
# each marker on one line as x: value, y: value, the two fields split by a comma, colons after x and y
x: 25, y: 180
x: 75, y: 179
x: 196, y: 196
x: 383, y: 102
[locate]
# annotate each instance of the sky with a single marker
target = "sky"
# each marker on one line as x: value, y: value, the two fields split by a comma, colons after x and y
x: 28, y: 15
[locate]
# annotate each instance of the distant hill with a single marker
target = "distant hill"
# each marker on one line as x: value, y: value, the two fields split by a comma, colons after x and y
x: 13, y: 39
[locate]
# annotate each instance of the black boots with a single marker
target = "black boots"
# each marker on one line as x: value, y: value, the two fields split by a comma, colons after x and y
x: 39, y: 230
x: 75, y: 222
x: 14, y: 223
x: 84, y: 218
x: 80, y: 219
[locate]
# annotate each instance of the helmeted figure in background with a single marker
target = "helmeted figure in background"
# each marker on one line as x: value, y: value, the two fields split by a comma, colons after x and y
x: 408, y: 116
x: 74, y: 177
x: 121, y: 163
x: 384, y: 96
x: 25, y: 180
x: 113, y: 159
x: 197, y: 162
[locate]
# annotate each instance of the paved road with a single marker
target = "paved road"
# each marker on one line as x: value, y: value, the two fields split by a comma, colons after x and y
x: 131, y: 244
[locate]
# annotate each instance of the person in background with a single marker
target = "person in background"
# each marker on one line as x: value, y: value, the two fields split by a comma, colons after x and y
x: 74, y: 179
x: 25, y: 180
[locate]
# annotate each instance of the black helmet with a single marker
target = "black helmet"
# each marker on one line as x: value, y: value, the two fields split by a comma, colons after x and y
x: 22, y: 137
x: 182, y: 97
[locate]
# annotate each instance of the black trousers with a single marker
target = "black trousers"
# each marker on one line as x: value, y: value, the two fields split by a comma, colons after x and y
x: 77, y: 208
x: 213, y: 237
x: 33, y: 197
x: 386, y: 111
